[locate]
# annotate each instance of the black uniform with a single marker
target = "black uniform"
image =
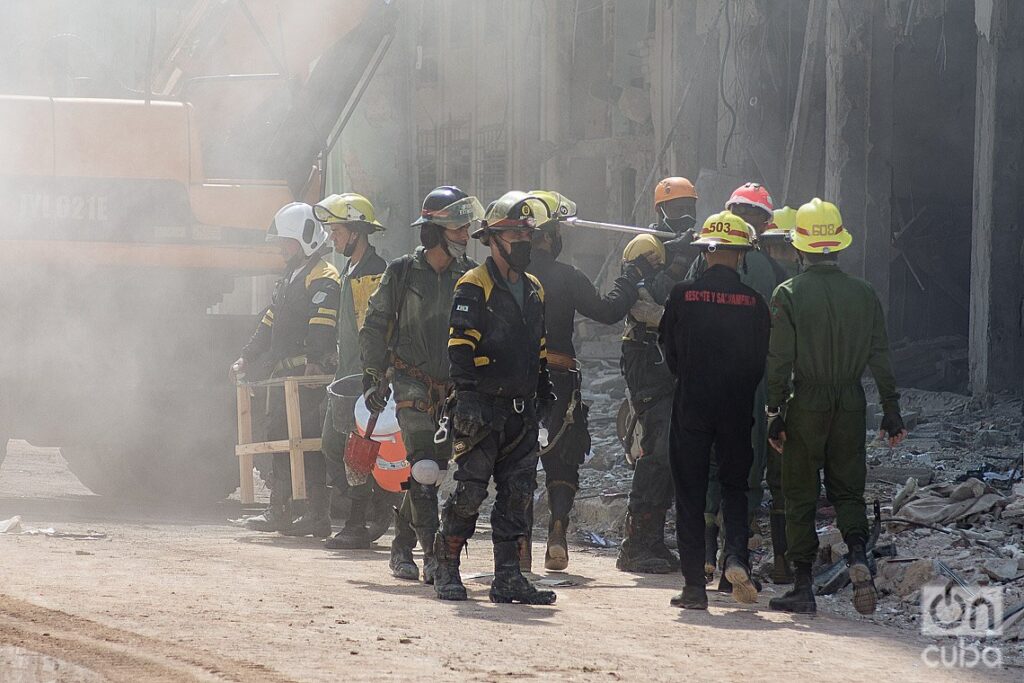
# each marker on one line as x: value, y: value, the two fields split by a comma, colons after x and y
x: 574, y: 293
x: 498, y: 357
x: 298, y: 328
x: 715, y: 336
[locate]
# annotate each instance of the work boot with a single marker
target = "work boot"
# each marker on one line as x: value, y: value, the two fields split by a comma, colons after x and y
x: 692, y: 597
x: 426, y: 537
x: 865, y: 597
x: 556, y: 557
x: 635, y: 553
x: 525, y: 551
x: 509, y: 584
x: 401, y: 563
x: 710, y: 552
x: 799, y: 599
x: 277, y: 516
x: 316, y: 520
x: 354, y: 535
x: 738, y: 574
x: 782, y: 573
x: 447, y: 581
x: 658, y: 546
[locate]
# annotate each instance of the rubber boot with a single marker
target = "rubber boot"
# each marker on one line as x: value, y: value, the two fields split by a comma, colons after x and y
x: 316, y: 520
x: 561, y: 495
x: 800, y: 598
x: 658, y: 546
x: 509, y: 584
x: 401, y: 563
x: 556, y: 557
x: 865, y: 597
x: 277, y: 516
x: 635, y: 554
x: 692, y: 597
x: 738, y: 574
x: 426, y: 537
x: 782, y: 573
x: 447, y: 581
x: 524, y: 548
x: 710, y: 552
x: 354, y: 535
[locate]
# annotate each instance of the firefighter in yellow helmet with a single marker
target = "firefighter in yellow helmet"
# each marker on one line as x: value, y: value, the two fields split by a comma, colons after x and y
x: 350, y: 219
x: 715, y: 338
x: 777, y: 240
x: 568, y: 436
x: 651, y: 384
x: 498, y: 355
x: 827, y: 328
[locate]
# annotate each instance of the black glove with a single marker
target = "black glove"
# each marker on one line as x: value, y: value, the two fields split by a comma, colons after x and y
x: 892, y: 424
x: 679, y: 245
x: 470, y: 414
x: 377, y: 398
x: 638, y: 269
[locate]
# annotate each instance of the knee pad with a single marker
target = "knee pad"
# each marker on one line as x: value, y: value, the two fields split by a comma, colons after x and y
x: 419, y: 492
x: 467, y: 498
x: 425, y: 472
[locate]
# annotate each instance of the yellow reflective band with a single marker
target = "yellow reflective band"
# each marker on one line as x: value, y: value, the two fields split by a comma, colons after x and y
x: 328, y: 311
x: 455, y: 341
x: 480, y: 361
x: 543, y: 354
x: 270, y: 314
x: 330, y: 322
x: 468, y: 332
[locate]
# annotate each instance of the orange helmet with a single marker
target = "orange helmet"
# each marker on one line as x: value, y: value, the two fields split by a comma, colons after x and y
x: 673, y: 188
x: 752, y: 194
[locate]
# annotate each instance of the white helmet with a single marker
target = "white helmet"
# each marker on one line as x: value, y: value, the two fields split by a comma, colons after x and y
x: 296, y: 221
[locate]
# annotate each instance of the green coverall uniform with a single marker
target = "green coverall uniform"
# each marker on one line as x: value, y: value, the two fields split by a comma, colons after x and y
x: 421, y: 374
x: 827, y: 326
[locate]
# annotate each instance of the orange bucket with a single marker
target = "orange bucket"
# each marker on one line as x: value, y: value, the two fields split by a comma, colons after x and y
x: 391, y: 466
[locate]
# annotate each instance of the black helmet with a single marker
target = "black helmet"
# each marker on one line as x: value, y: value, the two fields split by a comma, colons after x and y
x: 449, y: 206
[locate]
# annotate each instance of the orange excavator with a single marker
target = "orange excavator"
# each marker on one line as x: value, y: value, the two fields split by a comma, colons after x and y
x: 128, y: 211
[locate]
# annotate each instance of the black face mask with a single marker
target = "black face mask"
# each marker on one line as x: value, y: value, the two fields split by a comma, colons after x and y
x: 517, y: 255
x: 350, y: 247
x: 679, y: 225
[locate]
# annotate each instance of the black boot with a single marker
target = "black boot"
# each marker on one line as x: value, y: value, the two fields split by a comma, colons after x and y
x: 354, y: 535
x: 447, y: 581
x: 658, y: 547
x: 635, y: 553
x: 316, y: 520
x: 509, y: 584
x: 865, y: 597
x: 692, y: 597
x: 710, y: 551
x: 800, y: 599
x: 738, y: 575
x: 524, y: 548
x: 277, y: 516
x: 401, y: 563
x: 782, y: 573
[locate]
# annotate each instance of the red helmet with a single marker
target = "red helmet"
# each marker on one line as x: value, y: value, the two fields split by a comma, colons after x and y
x: 752, y: 194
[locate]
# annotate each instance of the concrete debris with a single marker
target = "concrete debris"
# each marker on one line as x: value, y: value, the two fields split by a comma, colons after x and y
x: 1000, y: 569
x: 904, y: 576
x: 11, y: 526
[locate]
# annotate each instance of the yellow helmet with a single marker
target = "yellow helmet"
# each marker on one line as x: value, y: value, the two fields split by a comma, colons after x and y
x: 348, y: 207
x: 514, y: 210
x: 819, y: 228
x: 782, y: 225
x: 725, y: 230
x: 559, y: 206
x: 642, y: 245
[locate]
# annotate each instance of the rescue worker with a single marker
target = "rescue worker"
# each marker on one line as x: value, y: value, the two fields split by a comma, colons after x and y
x: 502, y: 391
x: 752, y: 203
x: 777, y: 242
x: 405, y: 339
x: 296, y: 337
x: 827, y: 326
x: 351, y: 220
x: 651, y: 384
x: 568, y: 436
x: 715, y: 336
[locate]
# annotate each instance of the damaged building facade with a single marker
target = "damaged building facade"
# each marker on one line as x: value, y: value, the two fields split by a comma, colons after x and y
x: 906, y: 113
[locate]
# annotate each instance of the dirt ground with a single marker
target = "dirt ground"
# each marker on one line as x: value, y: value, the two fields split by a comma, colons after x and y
x: 181, y: 595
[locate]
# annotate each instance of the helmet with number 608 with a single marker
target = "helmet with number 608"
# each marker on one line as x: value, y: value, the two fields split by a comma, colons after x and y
x: 725, y: 230
x: 819, y: 228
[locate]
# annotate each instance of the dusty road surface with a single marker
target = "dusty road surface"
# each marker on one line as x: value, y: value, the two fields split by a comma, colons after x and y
x: 181, y: 595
